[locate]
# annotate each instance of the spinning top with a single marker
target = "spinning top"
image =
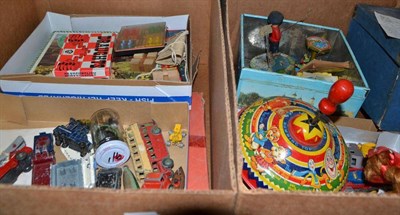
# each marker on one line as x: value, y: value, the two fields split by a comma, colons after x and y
x: 287, y: 144
x: 279, y: 63
x: 318, y: 45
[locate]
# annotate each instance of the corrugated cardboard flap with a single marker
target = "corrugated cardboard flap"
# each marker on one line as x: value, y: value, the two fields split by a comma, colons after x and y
x: 12, y: 110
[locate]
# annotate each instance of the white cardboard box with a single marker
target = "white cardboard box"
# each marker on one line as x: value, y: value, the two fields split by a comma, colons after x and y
x: 11, y: 81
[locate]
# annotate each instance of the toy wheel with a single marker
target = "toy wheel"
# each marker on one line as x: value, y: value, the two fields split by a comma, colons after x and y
x: 57, y: 139
x: 170, y: 187
x: 28, y: 168
x: 181, y: 145
x: 156, y: 130
x: 64, y: 144
x: 168, y: 163
x: 58, y: 143
x: 184, y: 134
x: 83, y: 154
x: 168, y: 143
x: 21, y: 156
x: 176, y: 182
x: 63, y: 141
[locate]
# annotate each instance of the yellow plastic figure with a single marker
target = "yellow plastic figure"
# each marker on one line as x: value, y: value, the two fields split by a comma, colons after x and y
x: 176, y: 136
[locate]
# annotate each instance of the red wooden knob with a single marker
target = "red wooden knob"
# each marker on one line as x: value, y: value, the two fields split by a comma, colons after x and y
x: 340, y: 92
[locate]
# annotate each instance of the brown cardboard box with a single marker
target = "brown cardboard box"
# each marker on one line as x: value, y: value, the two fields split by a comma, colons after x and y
x: 21, y: 17
x: 266, y: 201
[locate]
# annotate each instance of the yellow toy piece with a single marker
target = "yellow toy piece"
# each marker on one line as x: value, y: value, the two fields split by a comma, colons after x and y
x: 365, y: 147
x: 176, y: 136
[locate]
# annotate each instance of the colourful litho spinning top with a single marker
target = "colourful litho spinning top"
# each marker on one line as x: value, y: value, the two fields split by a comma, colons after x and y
x: 287, y: 144
x: 318, y: 45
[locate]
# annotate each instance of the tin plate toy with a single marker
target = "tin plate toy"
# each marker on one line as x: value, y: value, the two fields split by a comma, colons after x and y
x: 287, y: 144
x: 43, y: 158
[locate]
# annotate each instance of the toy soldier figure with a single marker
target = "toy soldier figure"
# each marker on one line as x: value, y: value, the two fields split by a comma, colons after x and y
x: 275, y: 19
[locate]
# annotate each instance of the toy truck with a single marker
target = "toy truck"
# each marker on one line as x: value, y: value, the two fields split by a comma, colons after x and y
x: 43, y: 158
x: 17, y: 144
x: 156, y: 149
x: 157, y: 180
x: 151, y: 158
x: 74, y: 136
x: 15, y: 160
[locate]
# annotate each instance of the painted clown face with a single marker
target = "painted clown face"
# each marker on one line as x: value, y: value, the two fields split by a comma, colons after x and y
x: 330, y: 165
x: 273, y: 134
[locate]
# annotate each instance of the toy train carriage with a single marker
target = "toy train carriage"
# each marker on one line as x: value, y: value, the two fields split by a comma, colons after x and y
x: 74, y: 136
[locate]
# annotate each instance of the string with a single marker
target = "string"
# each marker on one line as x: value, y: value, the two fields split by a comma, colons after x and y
x: 169, y: 47
x: 148, y: 73
x: 304, y: 19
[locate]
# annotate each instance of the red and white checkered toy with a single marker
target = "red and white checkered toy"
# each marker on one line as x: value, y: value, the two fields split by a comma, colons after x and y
x: 85, y: 55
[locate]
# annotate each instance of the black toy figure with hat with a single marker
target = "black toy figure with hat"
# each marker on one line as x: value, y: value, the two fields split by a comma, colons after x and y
x: 275, y: 19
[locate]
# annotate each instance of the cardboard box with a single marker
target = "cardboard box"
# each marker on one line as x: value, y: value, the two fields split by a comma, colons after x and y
x: 32, y: 113
x: 378, y: 56
x: 262, y: 201
x: 257, y: 82
x: 35, y: 109
x: 206, y: 20
x: 25, y: 58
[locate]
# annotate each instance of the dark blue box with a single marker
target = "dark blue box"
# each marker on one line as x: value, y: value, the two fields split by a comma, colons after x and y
x: 379, y: 58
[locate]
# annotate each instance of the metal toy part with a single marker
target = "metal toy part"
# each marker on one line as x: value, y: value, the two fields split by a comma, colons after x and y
x: 74, y: 136
x: 176, y: 136
x: 15, y: 160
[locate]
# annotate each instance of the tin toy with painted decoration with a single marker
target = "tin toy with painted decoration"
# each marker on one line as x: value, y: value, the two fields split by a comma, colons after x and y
x: 288, y: 144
